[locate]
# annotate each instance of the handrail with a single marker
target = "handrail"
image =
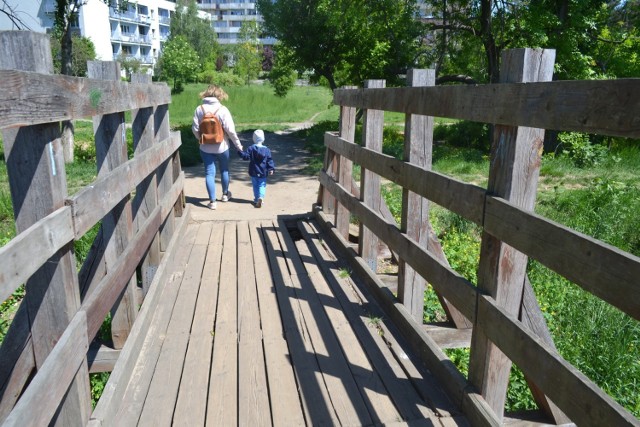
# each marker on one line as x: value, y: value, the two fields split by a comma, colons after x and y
x: 511, y: 231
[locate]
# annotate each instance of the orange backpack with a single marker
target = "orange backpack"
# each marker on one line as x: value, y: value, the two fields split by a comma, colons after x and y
x: 211, y: 131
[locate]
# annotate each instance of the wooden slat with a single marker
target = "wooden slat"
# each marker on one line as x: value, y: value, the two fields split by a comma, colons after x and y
x: 18, y: 261
x: 372, y: 127
x: 585, y: 405
x: 349, y: 403
x: 606, y: 271
x: 448, y: 282
x: 345, y: 166
x: 102, y: 358
x: 283, y: 391
x: 447, y: 337
x: 194, y: 386
x: 253, y: 390
x: 418, y: 147
x: 127, y: 411
x: 464, y: 199
x: 51, y: 383
x: 378, y: 379
x: 70, y: 97
x: 112, y: 395
x: 576, y: 105
x: 315, y: 397
x: 107, y: 191
x: 165, y: 172
x: 222, y: 406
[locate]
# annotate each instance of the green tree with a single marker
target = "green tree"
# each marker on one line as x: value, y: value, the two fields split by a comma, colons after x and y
x: 129, y: 64
x: 346, y: 41
x: 248, y: 52
x: 179, y: 61
x: 282, y: 76
x: 198, y: 32
x: 83, y: 50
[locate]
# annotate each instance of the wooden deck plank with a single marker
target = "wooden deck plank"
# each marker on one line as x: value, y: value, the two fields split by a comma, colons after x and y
x: 314, y: 395
x: 163, y: 392
x: 222, y: 406
x: 192, y: 396
x: 286, y: 408
x: 133, y: 399
x: 345, y: 394
x: 397, y: 384
x: 253, y: 397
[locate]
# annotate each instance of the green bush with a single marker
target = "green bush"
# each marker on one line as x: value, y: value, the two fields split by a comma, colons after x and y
x: 581, y: 150
x: 464, y: 134
x: 220, y: 78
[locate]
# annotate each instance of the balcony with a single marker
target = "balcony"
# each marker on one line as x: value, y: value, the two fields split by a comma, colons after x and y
x: 164, y: 20
x: 129, y: 16
x: 144, y: 59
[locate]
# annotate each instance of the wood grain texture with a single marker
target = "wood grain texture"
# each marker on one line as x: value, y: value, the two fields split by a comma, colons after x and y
x: 464, y: 199
x: 17, y: 259
x: 345, y: 166
x: 561, y: 105
x: 69, y: 98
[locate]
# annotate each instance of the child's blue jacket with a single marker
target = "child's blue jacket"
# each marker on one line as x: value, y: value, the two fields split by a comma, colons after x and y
x: 260, y: 161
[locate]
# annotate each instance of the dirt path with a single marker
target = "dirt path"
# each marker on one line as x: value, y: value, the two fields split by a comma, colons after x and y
x: 289, y: 191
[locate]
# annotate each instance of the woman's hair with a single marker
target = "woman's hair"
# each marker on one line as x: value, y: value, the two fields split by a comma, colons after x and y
x: 216, y: 91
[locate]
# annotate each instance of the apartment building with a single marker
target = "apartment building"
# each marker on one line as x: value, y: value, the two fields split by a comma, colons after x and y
x: 228, y: 16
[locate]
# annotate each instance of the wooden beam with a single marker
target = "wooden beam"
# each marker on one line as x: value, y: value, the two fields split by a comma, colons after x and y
x: 102, y: 358
x: 561, y: 105
x: 345, y: 166
x: 372, y: 128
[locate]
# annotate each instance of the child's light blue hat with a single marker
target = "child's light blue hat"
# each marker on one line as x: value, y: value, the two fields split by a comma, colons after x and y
x: 258, y: 136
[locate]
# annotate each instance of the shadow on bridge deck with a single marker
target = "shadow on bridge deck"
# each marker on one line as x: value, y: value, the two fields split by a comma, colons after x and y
x: 259, y: 325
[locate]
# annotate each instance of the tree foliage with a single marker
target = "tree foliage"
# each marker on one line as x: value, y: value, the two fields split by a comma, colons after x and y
x: 83, y: 50
x: 179, y: 61
x: 248, y: 52
x: 198, y: 32
x: 345, y: 41
x: 282, y: 76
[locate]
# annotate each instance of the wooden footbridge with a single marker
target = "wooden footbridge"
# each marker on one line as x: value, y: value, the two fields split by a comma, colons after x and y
x: 284, y: 321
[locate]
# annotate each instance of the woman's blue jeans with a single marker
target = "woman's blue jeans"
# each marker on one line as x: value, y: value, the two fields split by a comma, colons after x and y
x: 210, y: 172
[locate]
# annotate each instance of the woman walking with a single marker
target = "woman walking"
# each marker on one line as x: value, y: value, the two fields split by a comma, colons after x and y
x: 217, y: 152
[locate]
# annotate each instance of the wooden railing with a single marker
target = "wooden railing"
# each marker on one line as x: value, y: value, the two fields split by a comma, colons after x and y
x: 508, y: 326
x: 44, y: 374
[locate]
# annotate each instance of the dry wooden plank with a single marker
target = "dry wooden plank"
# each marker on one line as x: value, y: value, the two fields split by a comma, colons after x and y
x: 364, y: 347
x: 18, y: 261
x: 314, y: 395
x: 252, y: 377
x: 222, y: 406
x: 418, y: 146
x: 191, y: 405
x: 466, y: 200
x: 346, y: 395
x: 446, y: 281
x: 102, y: 358
x: 576, y: 105
x: 51, y: 383
x: 571, y: 390
x: 372, y: 127
x: 606, y: 271
x: 74, y: 98
x: 109, y: 190
x: 192, y: 396
x: 345, y: 166
x: 448, y: 337
x: 283, y: 392
x: 394, y: 356
x: 152, y: 320
x: 165, y: 171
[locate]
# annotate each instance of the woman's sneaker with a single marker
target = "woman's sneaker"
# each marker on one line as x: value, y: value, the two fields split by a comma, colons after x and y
x: 212, y: 205
x: 226, y: 197
x: 259, y: 203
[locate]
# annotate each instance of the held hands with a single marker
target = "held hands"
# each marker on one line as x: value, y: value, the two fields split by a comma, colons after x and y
x: 270, y: 172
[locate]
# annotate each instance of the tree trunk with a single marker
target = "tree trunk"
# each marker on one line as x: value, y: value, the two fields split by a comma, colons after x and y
x: 488, y: 41
x: 66, y: 47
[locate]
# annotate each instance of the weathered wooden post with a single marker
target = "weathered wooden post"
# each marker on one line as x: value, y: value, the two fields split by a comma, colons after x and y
x: 165, y: 175
x: 515, y: 164
x: 345, y: 166
x: 373, y: 125
x: 418, y: 148
x: 146, y: 198
x: 117, y: 225
x: 37, y: 179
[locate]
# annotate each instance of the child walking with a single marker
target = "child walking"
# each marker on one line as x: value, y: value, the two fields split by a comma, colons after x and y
x: 260, y: 166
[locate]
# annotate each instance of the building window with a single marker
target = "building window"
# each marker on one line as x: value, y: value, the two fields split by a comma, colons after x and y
x: 124, y: 29
x: 127, y: 50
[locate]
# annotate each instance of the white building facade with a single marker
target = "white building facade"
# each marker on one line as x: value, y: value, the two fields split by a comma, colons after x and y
x: 227, y: 17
